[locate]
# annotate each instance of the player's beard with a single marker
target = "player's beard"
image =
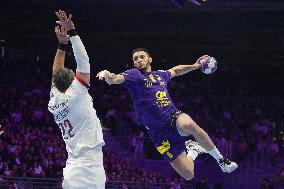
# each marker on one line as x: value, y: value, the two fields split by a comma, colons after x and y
x: 144, y: 68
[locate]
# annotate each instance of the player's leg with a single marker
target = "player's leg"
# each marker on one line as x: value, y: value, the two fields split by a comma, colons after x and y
x: 78, y: 176
x: 99, y: 171
x: 184, y: 166
x: 172, y: 147
x: 89, y: 177
x: 184, y: 163
x: 186, y: 126
x: 100, y: 177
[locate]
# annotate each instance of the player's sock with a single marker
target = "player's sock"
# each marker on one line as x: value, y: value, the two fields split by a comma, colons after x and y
x: 216, y: 154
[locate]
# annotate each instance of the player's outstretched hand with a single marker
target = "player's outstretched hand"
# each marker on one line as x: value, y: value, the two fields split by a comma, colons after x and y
x: 61, y: 34
x: 65, y: 21
x: 105, y: 74
x: 199, y: 62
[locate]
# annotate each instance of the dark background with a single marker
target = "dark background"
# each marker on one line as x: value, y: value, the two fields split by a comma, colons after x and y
x: 246, y: 38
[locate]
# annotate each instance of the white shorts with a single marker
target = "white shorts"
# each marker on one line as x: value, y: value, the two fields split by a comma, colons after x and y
x: 85, y: 176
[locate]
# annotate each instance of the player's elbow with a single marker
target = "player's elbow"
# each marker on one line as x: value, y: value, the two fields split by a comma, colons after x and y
x: 188, y: 174
x: 173, y: 73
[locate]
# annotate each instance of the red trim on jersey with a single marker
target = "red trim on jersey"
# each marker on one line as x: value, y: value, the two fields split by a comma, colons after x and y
x: 82, y: 82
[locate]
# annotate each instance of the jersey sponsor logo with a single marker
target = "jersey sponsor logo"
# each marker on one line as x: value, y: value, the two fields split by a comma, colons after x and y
x: 62, y: 114
x: 163, y: 103
x: 164, y: 147
x: 162, y: 83
x: 169, y: 154
x: 162, y: 99
x: 161, y: 95
x: 158, y: 77
x: 55, y: 107
x: 148, y: 84
x: 153, y: 79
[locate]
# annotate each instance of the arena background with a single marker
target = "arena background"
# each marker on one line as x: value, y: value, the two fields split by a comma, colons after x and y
x: 241, y: 105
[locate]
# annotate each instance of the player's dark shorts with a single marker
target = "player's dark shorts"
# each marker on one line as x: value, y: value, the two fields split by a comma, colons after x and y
x: 167, y: 139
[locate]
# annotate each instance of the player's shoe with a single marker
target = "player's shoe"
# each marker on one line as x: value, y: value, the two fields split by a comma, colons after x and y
x: 227, y: 166
x: 192, y: 146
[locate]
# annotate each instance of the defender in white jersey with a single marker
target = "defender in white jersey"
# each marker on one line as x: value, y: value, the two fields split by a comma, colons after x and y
x: 72, y: 108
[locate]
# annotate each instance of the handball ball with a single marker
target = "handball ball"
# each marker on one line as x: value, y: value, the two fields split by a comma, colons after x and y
x: 209, y: 65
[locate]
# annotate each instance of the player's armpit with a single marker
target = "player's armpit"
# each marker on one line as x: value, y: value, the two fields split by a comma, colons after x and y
x: 173, y: 73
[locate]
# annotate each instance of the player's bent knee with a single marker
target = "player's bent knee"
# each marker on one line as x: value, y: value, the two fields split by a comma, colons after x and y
x: 189, y: 174
x: 187, y: 128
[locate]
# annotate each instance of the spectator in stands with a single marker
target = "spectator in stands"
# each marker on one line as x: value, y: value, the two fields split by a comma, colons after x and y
x: 266, y: 184
x: 138, y: 145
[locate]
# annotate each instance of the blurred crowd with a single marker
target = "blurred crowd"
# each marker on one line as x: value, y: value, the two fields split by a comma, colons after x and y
x: 240, y: 117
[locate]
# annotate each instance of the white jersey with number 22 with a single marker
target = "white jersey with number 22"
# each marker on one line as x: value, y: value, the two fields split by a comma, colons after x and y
x: 76, y: 117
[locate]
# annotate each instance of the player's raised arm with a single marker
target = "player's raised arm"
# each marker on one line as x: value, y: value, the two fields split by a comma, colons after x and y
x: 80, y: 53
x: 183, y: 69
x: 60, y: 54
x: 111, y: 78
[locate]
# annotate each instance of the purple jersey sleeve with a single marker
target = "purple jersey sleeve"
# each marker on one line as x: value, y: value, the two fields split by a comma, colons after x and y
x: 165, y: 74
x: 131, y: 77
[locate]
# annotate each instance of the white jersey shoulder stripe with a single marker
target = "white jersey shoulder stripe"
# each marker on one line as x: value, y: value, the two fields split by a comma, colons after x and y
x: 82, y: 82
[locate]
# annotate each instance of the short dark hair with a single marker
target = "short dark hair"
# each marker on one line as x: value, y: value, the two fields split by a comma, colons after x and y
x: 141, y: 49
x: 63, y: 78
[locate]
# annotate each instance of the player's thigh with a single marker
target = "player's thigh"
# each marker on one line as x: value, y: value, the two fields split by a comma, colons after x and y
x: 185, y: 124
x: 184, y: 166
x: 100, y: 177
x: 78, y: 176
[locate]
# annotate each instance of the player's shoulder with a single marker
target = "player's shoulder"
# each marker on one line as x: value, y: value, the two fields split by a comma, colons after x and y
x: 132, y: 70
x: 57, y: 101
x: 162, y: 71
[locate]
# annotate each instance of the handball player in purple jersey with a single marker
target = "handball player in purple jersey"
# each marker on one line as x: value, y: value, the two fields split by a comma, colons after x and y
x: 165, y: 124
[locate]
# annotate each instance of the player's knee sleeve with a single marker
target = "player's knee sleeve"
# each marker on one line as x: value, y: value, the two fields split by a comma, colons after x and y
x: 189, y: 174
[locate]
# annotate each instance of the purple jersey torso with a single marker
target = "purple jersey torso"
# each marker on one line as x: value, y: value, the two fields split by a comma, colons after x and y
x: 151, y: 99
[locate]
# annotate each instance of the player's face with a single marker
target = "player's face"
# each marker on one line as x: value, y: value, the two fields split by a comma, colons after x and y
x: 141, y: 60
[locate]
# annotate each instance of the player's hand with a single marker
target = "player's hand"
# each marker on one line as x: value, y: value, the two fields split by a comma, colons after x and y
x: 65, y: 21
x: 199, y: 62
x: 105, y: 74
x: 1, y: 132
x: 102, y: 74
x: 61, y: 34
